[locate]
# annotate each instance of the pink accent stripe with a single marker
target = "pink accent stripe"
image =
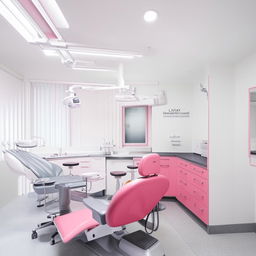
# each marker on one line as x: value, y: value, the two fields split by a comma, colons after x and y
x: 249, y: 125
x: 38, y: 18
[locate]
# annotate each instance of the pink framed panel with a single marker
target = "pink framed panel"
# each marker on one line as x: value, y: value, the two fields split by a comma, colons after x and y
x: 251, y: 89
x: 148, y: 127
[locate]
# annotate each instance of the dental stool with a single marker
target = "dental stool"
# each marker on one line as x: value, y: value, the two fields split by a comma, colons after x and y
x: 118, y: 175
x: 70, y: 165
x: 132, y: 170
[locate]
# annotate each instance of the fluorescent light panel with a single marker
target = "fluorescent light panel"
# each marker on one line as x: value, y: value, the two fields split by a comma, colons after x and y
x: 50, y: 53
x: 93, y: 69
x: 40, y: 17
x: 103, y: 53
x: 30, y: 19
x: 55, y: 13
x: 17, y: 19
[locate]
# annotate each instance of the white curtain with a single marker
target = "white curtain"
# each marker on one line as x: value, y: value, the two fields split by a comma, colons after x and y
x: 51, y: 119
x: 12, y: 110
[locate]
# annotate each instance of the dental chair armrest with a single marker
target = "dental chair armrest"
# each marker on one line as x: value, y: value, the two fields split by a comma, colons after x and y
x: 99, y: 208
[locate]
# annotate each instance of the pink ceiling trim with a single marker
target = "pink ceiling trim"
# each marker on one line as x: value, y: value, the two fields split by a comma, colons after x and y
x: 38, y: 18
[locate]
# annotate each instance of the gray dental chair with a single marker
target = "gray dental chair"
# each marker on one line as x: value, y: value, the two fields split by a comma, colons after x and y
x: 46, y: 179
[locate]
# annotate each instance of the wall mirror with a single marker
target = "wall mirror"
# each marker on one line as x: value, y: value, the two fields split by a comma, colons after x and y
x: 252, y: 125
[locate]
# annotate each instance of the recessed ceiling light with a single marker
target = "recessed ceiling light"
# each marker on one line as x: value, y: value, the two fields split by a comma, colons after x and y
x: 150, y: 16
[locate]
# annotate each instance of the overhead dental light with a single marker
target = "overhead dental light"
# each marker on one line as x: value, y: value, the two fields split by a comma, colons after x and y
x: 30, y: 19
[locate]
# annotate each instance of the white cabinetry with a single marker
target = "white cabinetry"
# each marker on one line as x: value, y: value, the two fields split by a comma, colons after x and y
x: 86, y: 164
x: 116, y: 165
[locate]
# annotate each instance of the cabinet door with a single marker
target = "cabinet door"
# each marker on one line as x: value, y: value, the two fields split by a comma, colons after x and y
x: 168, y: 169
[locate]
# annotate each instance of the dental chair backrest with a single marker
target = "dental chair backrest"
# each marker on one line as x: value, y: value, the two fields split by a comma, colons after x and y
x: 138, y: 198
x: 16, y: 166
x: 30, y: 165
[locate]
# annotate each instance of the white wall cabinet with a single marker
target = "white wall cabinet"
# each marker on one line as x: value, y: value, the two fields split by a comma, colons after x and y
x: 86, y: 164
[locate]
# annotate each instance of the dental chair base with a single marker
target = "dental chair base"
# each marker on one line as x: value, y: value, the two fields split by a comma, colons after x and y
x: 134, y: 244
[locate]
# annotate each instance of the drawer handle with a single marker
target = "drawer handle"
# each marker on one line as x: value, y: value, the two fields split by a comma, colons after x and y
x: 202, y: 183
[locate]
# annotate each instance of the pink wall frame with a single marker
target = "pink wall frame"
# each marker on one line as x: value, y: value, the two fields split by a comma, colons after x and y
x: 249, y: 126
x: 148, y: 127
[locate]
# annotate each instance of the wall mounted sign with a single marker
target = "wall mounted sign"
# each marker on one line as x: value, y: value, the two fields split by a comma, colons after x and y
x: 176, y: 112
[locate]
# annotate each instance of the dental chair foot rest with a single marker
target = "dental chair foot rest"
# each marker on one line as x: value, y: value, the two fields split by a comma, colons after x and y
x: 140, y: 243
x: 72, y: 224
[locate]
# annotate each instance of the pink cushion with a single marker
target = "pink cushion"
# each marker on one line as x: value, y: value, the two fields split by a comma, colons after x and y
x: 149, y: 165
x: 72, y: 224
x: 135, y: 200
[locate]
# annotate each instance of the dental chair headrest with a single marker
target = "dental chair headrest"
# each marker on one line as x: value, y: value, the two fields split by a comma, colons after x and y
x: 149, y: 165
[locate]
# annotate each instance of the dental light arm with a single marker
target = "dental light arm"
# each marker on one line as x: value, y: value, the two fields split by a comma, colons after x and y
x: 73, y: 101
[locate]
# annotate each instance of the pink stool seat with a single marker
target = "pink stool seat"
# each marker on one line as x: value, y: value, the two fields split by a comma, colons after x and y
x: 72, y: 224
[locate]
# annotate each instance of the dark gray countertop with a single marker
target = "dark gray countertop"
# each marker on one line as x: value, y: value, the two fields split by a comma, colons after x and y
x: 191, y: 157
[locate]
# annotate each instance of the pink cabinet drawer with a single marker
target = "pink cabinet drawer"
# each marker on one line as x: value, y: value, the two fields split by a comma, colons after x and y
x: 200, y: 210
x: 165, y: 162
x: 183, y: 174
x: 182, y: 184
x: 184, y: 198
x: 183, y: 164
x: 199, y: 171
x: 199, y: 182
x: 199, y: 195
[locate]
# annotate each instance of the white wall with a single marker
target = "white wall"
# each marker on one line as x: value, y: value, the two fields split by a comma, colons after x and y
x: 231, y: 188
x: 179, y: 97
x: 199, y: 115
x: 99, y: 118
x: 96, y: 120
x: 12, y: 127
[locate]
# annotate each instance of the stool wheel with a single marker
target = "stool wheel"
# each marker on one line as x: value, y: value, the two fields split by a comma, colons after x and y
x: 34, y: 235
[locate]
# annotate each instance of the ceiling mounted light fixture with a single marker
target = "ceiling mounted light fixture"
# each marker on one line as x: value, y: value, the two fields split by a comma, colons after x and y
x: 150, y: 16
x: 20, y: 22
x: 105, y: 53
x: 55, y: 13
x: 50, y: 53
x: 30, y: 19
x: 90, y: 66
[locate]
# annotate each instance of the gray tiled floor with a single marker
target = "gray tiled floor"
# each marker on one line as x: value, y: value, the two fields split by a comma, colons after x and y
x: 179, y: 234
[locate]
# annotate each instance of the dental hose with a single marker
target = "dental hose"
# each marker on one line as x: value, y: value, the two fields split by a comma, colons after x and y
x: 155, y: 220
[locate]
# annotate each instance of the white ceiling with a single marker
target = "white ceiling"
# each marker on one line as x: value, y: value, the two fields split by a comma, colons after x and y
x: 188, y: 35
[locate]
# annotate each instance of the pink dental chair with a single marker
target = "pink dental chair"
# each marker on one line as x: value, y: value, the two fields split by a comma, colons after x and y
x: 103, y: 222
